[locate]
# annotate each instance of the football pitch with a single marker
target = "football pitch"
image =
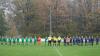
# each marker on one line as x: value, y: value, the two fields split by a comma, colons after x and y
x: 31, y: 50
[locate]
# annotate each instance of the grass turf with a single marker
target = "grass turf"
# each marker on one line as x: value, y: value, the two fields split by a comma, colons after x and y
x: 31, y: 50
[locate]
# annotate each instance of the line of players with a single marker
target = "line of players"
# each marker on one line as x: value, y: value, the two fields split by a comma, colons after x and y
x: 20, y: 41
x: 53, y: 40
x: 75, y: 40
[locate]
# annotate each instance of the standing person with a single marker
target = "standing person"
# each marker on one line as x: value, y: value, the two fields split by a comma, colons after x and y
x: 49, y: 40
x: 30, y: 39
x: 68, y: 40
x: 89, y: 40
x: 54, y: 41
x: 65, y: 41
x: 26, y: 40
x: 14, y: 40
x: 22, y: 40
x: 46, y: 40
x: 77, y: 40
x: 59, y: 40
x: 81, y: 40
x: 18, y: 40
x: 39, y: 40
x: 35, y: 40
x: 92, y: 40
x: 97, y: 40
x: 86, y: 40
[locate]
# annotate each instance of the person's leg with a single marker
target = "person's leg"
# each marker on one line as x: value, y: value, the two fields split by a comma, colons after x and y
x: 48, y: 43
x: 64, y: 43
x: 55, y: 43
x: 97, y: 42
x: 58, y: 43
x: 91, y: 43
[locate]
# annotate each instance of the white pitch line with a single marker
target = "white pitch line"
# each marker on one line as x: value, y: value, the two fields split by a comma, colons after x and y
x: 58, y: 52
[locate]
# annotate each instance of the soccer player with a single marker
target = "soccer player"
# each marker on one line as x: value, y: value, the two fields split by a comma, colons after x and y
x: 23, y: 40
x: 68, y: 40
x: 54, y: 40
x: 97, y: 40
x: 81, y: 40
x: 74, y: 40
x: 18, y: 40
x: 26, y: 40
x: 59, y: 40
x: 35, y: 40
x: 49, y: 40
x: 30, y: 39
x: 39, y: 40
x: 91, y: 40
x: 65, y: 41
x: 86, y: 40
x: 14, y: 40
x: 77, y: 40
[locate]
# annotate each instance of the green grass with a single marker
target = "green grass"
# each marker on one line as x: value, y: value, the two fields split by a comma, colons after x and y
x: 31, y: 50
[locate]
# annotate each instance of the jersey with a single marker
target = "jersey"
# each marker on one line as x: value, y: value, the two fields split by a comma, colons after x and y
x: 26, y: 40
x: 30, y: 40
x: 59, y: 38
x: 54, y: 38
x: 49, y: 38
x: 18, y: 40
x: 22, y: 40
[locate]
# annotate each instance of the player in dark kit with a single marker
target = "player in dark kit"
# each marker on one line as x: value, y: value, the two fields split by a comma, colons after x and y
x: 81, y: 40
x: 74, y: 40
x: 22, y: 40
x: 77, y: 40
x: 18, y: 41
x: 86, y: 40
x: 97, y: 40
x: 92, y: 40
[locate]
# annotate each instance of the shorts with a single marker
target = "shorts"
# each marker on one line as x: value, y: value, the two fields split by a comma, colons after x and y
x: 54, y: 41
x: 59, y: 41
x: 49, y: 41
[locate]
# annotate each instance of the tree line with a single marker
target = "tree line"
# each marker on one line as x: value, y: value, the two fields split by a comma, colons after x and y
x: 68, y: 17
